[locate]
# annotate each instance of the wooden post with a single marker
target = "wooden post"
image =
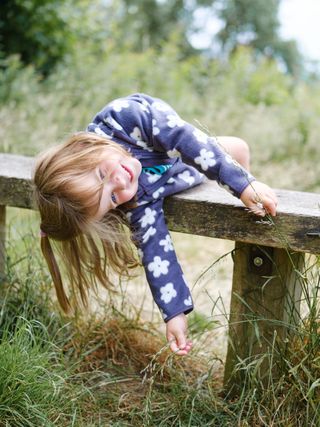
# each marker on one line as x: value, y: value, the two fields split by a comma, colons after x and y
x: 2, y: 241
x: 265, y: 299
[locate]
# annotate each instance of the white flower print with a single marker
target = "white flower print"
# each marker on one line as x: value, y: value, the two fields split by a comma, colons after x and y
x: 200, y: 136
x: 228, y: 158
x: 157, y: 193
x: 171, y: 181
x: 150, y: 232
x: 144, y: 145
x: 174, y: 120
x: 158, y: 266
x: 143, y: 202
x: 187, y: 301
x: 148, y: 218
x: 144, y: 106
x: 231, y: 160
x: 119, y: 104
x: 153, y: 177
x: 205, y: 160
x: 113, y: 123
x: 173, y: 153
x: 166, y: 243
x: 161, y: 106
x: 99, y: 131
x: 155, y: 129
x: 128, y: 215
x: 168, y: 292
x: 136, y: 134
x: 186, y: 177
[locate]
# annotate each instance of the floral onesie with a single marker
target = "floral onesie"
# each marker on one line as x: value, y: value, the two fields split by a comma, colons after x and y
x: 154, y: 133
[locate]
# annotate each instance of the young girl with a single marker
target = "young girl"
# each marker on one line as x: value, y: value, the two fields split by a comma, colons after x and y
x: 136, y: 151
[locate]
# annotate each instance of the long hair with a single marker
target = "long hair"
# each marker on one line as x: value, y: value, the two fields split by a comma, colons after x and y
x: 90, y: 250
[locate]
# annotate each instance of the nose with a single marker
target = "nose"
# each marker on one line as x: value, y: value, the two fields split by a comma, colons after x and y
x: 119, y: 180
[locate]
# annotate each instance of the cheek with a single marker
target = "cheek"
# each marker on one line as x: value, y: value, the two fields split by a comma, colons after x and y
x: 127, y: 195
x: 137, y: 166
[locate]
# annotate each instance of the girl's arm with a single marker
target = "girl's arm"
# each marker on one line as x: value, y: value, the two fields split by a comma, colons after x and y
x: 159, y: 259
x: 163, y: 272
x: 149, y: 124
x: 181, y: 139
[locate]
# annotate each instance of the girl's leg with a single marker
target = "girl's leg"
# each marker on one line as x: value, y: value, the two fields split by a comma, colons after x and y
x: 237, y: 148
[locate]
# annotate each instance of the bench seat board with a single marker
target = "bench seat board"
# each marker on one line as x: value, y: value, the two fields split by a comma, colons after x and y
x: 205, y: 210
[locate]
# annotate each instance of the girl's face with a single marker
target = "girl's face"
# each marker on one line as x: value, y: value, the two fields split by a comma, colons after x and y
x: 119, y: 174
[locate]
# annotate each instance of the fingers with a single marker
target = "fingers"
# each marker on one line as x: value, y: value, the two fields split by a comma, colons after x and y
x: 180, y: 351
x: 270, y: 206
x: 265, y: 203
x: 177, y: 333
x: 260, y: 199
x: 179, y: 345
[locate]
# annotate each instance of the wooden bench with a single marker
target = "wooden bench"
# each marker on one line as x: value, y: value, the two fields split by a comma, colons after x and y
x: 268, y: 256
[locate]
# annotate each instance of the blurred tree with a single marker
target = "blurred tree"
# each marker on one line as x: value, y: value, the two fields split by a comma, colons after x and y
x: 42, y: 32
x: 149, y: 23
x: 255, y: 23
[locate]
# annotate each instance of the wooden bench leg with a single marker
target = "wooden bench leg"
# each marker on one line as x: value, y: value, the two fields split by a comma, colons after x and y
x: 266, y: 295
x: 2, y: 241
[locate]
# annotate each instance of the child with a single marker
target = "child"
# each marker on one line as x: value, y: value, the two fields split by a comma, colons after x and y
x: 136, y: 151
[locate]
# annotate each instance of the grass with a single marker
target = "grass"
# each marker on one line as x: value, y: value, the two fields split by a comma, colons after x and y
x: 114, y: 368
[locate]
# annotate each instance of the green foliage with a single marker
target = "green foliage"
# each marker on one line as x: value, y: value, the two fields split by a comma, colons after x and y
x: 43, y: 32
x: 255, y: 23
x: 115, y: 370
x: 48, y: 377
x: 199, y: 323
x: 32, y: 384
x: 16, y: 80
x: 150, y: 23
x: 33, y: 374
x: 47, y: 33
x: 246, y: 96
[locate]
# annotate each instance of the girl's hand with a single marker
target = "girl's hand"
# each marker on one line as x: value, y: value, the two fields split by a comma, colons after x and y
x: 259, y: 198
x: 177, y: 333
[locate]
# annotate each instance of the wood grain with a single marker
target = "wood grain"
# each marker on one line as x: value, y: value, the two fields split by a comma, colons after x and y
x: 205, y: 210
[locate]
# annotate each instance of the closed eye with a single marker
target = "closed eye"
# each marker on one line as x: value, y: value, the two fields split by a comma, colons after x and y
x: 101, y: 175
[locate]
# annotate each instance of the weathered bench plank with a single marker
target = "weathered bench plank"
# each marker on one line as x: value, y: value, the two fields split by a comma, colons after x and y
x: 15, y: 178
x: 206, y: 210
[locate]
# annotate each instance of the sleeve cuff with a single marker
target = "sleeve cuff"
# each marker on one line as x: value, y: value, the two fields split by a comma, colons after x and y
x: 166, y: 317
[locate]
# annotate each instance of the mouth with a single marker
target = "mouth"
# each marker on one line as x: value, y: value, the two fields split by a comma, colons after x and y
x: 128, y: 171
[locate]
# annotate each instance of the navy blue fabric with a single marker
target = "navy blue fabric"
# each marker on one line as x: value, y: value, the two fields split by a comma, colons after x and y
x: 154, y: 133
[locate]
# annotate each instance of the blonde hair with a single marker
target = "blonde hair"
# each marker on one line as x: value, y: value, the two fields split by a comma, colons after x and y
x: 90, y: 249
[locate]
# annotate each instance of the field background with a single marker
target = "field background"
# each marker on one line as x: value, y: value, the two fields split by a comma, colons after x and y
x: 246, y: 94
x: 276, y: 114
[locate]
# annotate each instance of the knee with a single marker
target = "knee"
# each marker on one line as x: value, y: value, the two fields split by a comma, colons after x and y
x: 242, y: 153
